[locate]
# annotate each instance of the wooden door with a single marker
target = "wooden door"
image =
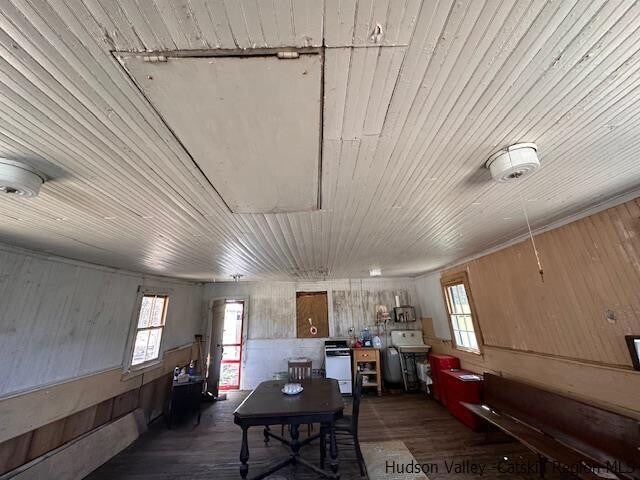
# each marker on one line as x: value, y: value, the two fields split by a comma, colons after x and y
x: 312, y: 315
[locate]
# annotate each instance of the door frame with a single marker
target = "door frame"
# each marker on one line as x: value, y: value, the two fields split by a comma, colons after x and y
x: 241, y: 345
x: 245, y: 326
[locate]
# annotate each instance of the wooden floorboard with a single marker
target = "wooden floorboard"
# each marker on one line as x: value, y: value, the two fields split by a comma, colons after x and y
x: 211, y: 449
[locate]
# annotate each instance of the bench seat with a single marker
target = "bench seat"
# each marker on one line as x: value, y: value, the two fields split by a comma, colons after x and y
x: 534, y: 440
x: 567, y: 432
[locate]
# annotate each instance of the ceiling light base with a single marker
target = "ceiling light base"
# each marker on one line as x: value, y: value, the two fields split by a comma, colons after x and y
x: 19, y: 179
x: 513, y: 162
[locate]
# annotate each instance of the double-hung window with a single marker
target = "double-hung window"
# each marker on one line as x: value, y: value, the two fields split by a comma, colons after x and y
x: 149, y: 327
x: 461, y: 316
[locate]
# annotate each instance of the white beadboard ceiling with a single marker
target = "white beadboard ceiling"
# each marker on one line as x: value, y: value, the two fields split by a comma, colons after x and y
x: 409, y: 117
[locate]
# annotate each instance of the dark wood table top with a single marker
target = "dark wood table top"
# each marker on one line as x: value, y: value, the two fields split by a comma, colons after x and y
x: 321, y: 396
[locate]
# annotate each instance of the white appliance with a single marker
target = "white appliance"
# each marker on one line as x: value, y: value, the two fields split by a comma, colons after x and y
x: 411, y: 349
x: 337, y: 363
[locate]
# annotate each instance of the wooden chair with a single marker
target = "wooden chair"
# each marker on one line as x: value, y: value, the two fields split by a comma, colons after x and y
x: 298, y: 372
x: 346, y: 429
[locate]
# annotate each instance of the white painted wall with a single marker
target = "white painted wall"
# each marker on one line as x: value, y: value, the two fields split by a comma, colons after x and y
x: 271, y: 331
x: 61, y: 319
x: 432, y: 305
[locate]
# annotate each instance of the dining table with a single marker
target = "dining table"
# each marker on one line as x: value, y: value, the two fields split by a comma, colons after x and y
x: 320, y: 401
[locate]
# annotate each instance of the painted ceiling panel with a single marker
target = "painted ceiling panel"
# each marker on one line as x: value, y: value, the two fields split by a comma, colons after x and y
x: 251, y: 123
x: 409, y: 118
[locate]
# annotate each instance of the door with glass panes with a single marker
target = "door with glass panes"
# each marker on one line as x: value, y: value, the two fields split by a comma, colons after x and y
x: 231, y: 363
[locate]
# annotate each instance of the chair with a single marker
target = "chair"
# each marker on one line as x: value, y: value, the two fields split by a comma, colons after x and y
x: 346, y: 428
x: 299, y: 371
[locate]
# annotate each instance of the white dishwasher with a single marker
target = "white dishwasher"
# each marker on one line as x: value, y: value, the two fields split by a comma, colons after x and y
x: 337, y: 363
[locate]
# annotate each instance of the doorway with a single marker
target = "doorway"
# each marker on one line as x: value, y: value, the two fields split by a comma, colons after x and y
x: 231, y: 361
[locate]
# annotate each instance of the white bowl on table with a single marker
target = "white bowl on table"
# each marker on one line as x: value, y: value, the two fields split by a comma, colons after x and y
x: 292, y: 388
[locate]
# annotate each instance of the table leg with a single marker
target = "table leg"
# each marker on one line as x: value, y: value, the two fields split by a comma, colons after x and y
x: 244, y: 453
x: 266, y: 434
x: 333, y: 449
x: 323, y: 444
x: 295, y: 443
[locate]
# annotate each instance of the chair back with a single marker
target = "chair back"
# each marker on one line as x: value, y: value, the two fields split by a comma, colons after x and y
x: 357, y: 394
x: 299, y: 371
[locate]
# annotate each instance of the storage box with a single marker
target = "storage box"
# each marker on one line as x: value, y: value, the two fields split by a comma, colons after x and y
x: 463, y: 386
x: 439, y: 364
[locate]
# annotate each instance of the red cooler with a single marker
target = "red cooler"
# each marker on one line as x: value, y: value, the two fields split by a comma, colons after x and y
x: 439, y: 364
x: 463, y: 386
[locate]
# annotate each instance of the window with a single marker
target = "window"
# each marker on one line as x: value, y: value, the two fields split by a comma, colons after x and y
x: 460, y: 314
x: 151, y: 317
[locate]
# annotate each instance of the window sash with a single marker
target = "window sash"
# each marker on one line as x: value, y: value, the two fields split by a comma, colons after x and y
x: 461, y: 317
x: 149, y: 320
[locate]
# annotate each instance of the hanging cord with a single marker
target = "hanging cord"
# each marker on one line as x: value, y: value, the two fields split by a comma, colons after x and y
x: 526, y: 217
x: 533, y: 242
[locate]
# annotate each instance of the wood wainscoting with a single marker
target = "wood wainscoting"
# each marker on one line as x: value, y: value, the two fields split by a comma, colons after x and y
x: 611, y: 388
x: 42, y: 420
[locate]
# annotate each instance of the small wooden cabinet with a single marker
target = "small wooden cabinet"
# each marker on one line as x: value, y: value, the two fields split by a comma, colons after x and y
x: 367, y: 362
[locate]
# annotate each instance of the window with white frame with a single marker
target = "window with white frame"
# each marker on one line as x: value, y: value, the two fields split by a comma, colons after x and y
x: 461, y: 315
x: 149, y: 327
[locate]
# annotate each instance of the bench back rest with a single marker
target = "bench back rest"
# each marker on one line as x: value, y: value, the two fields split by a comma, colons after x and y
x: 603, y: 435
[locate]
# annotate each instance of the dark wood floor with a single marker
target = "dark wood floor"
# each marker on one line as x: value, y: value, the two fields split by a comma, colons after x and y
x: 211, y: 450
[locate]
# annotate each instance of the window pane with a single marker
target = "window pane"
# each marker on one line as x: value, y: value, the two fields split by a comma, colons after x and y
x: 468, y: 323
x: 465, y: 339
x: 454, y: 321
x: 229, y: 374
x: 458, y: 338
x: 145, y: 311
x: 462, y: 321
x: 231, y: 353
x: 153, y: 347
x: 455, y: 301
x: 464, y: 301
x: 232, y: 332
x: 140, y: 347
x: 156, y: 312
x: 474, y: 342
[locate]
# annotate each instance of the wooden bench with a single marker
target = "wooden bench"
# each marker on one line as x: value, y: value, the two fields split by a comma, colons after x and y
x: 572, y: 435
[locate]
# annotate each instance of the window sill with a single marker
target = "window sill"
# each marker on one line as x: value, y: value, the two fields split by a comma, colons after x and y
x: 141, y: 369
x: 469, y: 350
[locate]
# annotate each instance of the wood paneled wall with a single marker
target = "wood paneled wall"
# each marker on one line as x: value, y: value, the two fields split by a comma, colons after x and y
x: 591, y: 273
x: 37, y: 422
x: 61, y: 319
x: 272, y: 305
x: 566, y: 333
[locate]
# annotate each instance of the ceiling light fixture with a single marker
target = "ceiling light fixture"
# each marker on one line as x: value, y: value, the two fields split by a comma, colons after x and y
x: 19, y: 179
x: 375, y: 272
x: 513, y: 162
x: 236, y: 277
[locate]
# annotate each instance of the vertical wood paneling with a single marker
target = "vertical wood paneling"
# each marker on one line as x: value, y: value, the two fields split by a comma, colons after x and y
x: 590, y: 268
x: 352, y: 303
x: 60, y: 320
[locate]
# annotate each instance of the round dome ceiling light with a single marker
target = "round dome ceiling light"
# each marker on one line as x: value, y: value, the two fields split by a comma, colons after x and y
x: 19, y: 179
x: 514, y: 162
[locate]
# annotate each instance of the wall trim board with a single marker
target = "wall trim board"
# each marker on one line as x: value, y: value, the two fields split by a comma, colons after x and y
x: 8, y: 248
x: 613, y: 366
x: 600, y: 207
x: 611, y: 388
x: 79, y: 457
x: 57, y: 401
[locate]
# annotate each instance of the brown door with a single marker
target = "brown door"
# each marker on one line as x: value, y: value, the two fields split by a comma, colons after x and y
x: 312, y: 315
